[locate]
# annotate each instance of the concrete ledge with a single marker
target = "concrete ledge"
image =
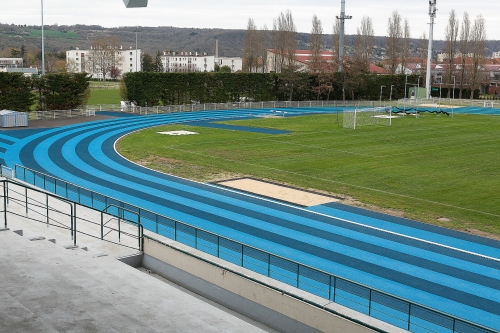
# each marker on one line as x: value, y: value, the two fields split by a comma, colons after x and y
x: 134, y: 260
x: 278, y: 310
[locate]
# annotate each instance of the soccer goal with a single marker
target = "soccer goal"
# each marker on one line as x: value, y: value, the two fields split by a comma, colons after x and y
x: 368, y: 116
x: 488, y: 104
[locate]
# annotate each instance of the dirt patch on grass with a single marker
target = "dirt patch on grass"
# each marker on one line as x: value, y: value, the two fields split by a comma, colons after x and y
x: 481, y: 233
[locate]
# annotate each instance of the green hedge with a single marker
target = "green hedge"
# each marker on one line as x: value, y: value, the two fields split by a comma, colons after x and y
x: 15, y: 92
x: 62, y: 91
x: 216, y: 87
x: 53, y: 91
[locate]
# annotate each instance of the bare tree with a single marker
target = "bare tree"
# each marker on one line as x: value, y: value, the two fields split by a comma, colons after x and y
x: 104, y: 55
x: 393, y: 41
x: 464, y: 51
x: 405, y: 46
x: 263, y: 46
x: 336, y: 41
x: 250, y: 51
x: 478, y: 53
x: 423, y: 44
x: 450, y: 46
x: 365, y: 41
x: 284, y: 42
x: 315, y: 44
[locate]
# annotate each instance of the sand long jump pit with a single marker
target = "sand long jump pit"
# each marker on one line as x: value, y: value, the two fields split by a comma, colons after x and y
x: 279, y: 192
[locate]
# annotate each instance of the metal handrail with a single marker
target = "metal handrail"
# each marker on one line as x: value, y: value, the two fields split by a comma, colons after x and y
x: 332, y: 277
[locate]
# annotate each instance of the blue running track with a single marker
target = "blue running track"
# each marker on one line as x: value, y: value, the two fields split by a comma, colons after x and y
x: 452, y: 272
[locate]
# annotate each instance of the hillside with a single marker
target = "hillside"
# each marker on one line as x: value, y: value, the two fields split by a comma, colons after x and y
x: 152, y: 39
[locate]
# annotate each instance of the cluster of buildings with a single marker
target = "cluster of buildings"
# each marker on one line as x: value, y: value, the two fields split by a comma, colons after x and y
x: 129, y: 60
x: 490, y: 70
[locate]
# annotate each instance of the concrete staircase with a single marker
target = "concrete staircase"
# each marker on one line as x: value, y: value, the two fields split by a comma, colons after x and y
x: 45, y: 287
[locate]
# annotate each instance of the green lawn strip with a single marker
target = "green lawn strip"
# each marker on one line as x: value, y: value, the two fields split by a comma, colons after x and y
x: 427, y: 168
x: 104, y: 96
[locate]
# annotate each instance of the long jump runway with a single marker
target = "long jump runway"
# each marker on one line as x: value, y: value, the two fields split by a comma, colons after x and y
x: 452, y: 272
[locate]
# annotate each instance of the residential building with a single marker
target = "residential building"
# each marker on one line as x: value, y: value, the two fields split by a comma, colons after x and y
x: 187, y: 62
x: 125, y: 60
x: 496, y: 55
x: 236, y: 64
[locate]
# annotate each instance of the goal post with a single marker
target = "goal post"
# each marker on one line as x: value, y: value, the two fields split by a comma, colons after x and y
x: 367, y: 116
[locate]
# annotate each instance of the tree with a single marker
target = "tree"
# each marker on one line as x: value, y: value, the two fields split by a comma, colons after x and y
x: 147, y: 63
x: 464, y: 50
x: 336, y: 42
x: 284, y: 42
x: 450, y: 46
x: 363, y: 46
x: 317, y: 63
x: 115, y: 72
x: 104, y: 54
x: 405, y: 46
x: 251, y: 51
x: 393, y: 41
x: 478, y: 53
x: 263, y: 46
x: 225, y: 69
x: 158, y: 63
x: 423, y: 44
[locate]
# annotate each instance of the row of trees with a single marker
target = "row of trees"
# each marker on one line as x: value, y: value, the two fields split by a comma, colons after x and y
x: 465, y: 51
x: 399, y: 50
x: 50, y: 92
x: 148, y: 88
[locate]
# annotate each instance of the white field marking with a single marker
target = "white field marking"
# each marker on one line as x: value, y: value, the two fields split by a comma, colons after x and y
x: 342, y: 183
x: 340, y: 219
x: 177, y: 133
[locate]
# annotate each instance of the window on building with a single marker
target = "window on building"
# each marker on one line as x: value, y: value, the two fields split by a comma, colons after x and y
x: 130, y: 53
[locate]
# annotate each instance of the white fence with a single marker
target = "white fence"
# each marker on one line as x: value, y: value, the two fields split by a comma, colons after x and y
x: 59, y: 114
x: 228, y: 106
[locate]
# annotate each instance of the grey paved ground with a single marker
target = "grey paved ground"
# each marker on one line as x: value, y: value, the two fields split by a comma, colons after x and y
x: 47, y: 288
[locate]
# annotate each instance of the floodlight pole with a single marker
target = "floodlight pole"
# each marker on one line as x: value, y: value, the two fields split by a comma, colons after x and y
x: 432, y: 15
x: 43, y: 46
x: 390, y: 95
x: 342, y: 19
x: 136, y: 68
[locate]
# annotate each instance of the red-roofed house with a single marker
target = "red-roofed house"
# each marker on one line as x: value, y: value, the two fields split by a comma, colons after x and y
x: 302, y: 60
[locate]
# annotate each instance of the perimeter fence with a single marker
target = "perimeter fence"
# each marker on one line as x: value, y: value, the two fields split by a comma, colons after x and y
x: 378, y: 304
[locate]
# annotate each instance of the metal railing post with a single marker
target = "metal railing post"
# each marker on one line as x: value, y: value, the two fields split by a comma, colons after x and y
x: 74, y: 224
x: 5, y: 204
x: 26, y: 199
x: 47, y: 206
x: 102, y: 225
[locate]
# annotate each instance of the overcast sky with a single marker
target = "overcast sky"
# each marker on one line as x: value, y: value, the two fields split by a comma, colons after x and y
x: 235, y: 14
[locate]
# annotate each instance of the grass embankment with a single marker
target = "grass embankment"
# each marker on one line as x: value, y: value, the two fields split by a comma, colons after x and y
x: 435, y: 169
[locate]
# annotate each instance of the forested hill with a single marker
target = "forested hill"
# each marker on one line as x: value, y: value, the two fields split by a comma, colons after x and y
x: 152, y: 39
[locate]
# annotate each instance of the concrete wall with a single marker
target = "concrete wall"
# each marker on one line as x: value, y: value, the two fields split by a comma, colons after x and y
x: 275, y: 309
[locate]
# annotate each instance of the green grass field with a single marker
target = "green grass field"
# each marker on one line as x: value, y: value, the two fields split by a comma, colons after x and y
x: 427, y: 169
x: 104, y: 96
x: 53, y: 33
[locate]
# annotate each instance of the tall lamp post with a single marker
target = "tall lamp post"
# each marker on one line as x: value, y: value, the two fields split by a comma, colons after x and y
x: 381, y: 87
x: 390, y: 95
x: 43, y: 46
x: 136, y: 68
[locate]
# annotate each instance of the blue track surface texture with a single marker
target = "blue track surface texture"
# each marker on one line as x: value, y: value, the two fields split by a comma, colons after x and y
x: 452, y: 272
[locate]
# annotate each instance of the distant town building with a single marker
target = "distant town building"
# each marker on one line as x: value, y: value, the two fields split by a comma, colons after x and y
x: 496, y: 55
x: 443, y: 56
x: 125, y: 60
x: 187, y: 62
x: 301, y: 60
x: 236, y: 64
x: 15, y: 65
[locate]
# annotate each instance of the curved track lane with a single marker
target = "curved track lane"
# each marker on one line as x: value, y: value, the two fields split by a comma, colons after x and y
x: 404, y: 258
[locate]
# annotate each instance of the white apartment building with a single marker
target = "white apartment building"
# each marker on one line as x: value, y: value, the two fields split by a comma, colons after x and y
x: 496, y: 55
x: 79, y: 61
x: 236, y: 64
x: 187, y: 62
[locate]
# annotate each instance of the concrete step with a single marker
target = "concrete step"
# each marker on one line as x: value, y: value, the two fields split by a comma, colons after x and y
x: 74, y: 290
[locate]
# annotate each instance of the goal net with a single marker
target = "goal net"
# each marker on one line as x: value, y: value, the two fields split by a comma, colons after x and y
x: 367, y: 116
x: 488, y: 104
